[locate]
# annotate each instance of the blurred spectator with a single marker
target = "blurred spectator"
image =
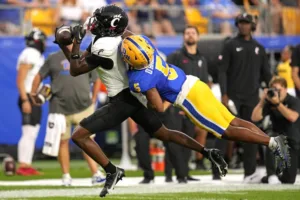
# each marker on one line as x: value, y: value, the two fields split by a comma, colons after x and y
x: 10, y: 23
x: 222, y: 14
x: 295, y: 63
x: 175, y: 14
x: 70, y: 12
x: 89, y: 6
x: 160, y: 24
x: 284, y: 69
x: 194, y: 16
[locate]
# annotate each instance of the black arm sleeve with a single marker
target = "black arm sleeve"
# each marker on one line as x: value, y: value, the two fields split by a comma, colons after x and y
x: 265, y: 68
x: 95, y: 61
x: 223, y: 65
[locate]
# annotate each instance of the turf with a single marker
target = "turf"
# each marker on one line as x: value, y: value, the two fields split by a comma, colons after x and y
x: 79, y: 169
x: 240, y: 195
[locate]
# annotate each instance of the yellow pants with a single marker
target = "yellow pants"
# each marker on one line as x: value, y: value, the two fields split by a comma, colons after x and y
x: 202, y: 107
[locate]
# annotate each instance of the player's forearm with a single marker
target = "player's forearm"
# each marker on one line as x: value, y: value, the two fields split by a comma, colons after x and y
x: 21, y: 89
x: 78, y: 66
x: 36, y: 82
x: 289, y: 114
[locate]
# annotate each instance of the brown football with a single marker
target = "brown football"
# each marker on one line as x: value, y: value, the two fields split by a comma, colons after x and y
x: 64, y: 35
x: 9, y: 166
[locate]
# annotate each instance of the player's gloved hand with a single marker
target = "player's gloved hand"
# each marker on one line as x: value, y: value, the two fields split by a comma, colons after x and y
x: 78, y: 32
x: 217, y: 160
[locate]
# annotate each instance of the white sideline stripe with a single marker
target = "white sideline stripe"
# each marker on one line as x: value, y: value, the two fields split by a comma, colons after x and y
x: 230, y: 184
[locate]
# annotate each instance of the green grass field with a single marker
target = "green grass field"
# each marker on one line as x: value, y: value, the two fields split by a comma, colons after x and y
x: 203, y: 190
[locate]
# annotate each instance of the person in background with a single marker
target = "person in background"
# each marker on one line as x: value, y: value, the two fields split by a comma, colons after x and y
x: 243, y: 63
x: 190, y: 60
x: 284, y: 69
x: 70, y: 103
x: 29, y: 63
x: 284, y: 111
x: 295, y: 63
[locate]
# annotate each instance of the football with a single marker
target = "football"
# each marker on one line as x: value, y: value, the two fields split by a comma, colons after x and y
x: 64, y: 35
x: 9, y: 166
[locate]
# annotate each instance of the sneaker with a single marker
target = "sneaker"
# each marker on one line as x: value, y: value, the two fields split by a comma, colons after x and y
x: 27, y: 171
x: 147, y: 181
x: 66, y: 180
x: 253, y: 178
x: 182, y: 180
x: 98, y: 179
x: 273, y: 180
x: 111, y: 181
x: 282, y: 154
x: 190, y: 178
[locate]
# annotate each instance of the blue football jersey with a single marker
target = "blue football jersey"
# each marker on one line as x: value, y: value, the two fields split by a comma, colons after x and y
x: 167, y: 79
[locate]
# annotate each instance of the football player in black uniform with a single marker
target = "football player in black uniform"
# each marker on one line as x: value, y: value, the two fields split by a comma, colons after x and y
x: 108, y: 25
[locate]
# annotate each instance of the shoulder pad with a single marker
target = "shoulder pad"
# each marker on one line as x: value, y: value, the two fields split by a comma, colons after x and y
x: 105, y: 46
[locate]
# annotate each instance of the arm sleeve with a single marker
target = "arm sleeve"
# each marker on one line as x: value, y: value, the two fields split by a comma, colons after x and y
x: 296, y: 57
x: 45, y: 69
x: 224, y: 62
x: 265, y: 68
x: 204, y: 71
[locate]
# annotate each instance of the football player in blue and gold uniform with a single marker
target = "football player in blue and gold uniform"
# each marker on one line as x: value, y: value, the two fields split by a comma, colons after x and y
x: 159, y: 81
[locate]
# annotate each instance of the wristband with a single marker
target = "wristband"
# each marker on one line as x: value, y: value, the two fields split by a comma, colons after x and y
x: 75, y: 56
x: 24, y: 100
x: 276, y: 105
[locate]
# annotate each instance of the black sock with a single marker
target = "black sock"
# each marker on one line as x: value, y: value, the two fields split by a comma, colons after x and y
x: 110, y: 168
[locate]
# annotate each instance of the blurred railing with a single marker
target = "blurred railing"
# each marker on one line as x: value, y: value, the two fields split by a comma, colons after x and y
x: 162, y: 19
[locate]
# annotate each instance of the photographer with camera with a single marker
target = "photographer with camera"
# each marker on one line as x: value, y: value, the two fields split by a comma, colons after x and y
x: 284, y: 112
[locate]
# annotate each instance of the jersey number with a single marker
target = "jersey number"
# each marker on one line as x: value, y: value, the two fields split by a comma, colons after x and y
x: 165, y: 69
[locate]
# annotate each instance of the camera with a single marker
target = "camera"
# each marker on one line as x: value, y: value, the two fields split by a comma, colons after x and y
x: 271, y: 92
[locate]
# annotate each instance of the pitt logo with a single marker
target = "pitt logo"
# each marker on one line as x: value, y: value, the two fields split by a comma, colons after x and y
x: 65, y: 64
x: 125, y: 56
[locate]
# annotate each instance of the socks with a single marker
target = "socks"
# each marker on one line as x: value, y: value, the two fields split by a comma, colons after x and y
x: 110, y: 168
x: 272, y: 143
x: 67, y: 176
x: 27, y: 143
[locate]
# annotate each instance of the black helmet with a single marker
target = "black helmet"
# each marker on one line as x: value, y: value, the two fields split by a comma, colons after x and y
x: 108, y: 21
x: 245, y: 17
x: 35, y: 36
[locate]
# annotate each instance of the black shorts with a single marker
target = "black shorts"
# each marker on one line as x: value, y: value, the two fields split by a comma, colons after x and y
x: 118, y: 109
x: 34, y: 118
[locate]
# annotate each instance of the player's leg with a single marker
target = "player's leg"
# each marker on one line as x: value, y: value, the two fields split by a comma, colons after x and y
x: 207, y: 112
x: 97, y: 176
x: 64, y: 153
x: 151, y: 123
x: 26, y: 145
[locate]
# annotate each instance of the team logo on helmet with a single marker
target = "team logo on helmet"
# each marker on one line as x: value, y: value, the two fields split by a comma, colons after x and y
x: 114, y: 23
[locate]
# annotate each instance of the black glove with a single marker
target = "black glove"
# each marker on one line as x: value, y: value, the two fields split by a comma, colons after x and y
x: 78, y: 32
x: 217, y: 160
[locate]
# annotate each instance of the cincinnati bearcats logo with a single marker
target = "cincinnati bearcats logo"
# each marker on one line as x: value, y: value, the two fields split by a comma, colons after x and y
x: 114, y: 23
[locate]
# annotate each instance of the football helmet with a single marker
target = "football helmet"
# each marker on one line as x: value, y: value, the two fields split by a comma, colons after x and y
x: 108, y: 21
x: 137, y: 51
x: 36, y: 39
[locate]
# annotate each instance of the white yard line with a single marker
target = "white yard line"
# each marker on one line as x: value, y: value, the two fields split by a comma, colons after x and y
x: 232, y: 183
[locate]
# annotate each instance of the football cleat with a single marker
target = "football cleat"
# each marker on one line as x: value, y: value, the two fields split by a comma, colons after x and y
x: 111, y: 181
